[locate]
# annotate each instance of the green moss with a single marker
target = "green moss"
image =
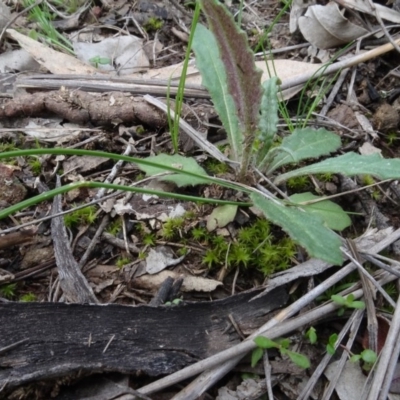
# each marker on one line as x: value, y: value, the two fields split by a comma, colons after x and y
x: 255, y: 247
x: 215, y: 167
x: 153, y: 24
x: 8, y: 291
x: 298, y: 182
x: 35, y: 165
x: 114, y: 227
x: 27, y: 298
x: 149, y: 239
x: 122, y: 261
x: 85, y: 216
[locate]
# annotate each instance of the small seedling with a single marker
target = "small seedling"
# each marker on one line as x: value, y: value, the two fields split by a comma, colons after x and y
x: 282, y: 345
x: 330, y: 347
x: 369, y: 358
x: 96, y: 61
x: 391, y: 138
x: 35, y: 165
x: 115, y: 227
x: 28, y: 298
x: 311, y: 335
x: 172, y: 228
x: 347, y: 302
x: 174, y: 302
x: 149, y: 239
x: 86, y: 216
x: 121, y: 262
x: 298, y: 183
x: 8, y: 291
x: 153, y: 24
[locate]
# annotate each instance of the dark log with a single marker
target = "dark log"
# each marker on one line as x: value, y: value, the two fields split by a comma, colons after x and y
x: 61, y: 339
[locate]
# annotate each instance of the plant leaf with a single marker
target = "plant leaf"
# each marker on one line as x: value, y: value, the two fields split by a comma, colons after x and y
x: 350, y: 164
x: 299, y: 359
x: 244, y: 79
x: 331, y: 213
x: 336, y: 298
x: 305, y: 228
x: 357, y: 304
x: 221, y: 216
x: 256, y: 356
x: 304, y: 143
x: 208, y: 61
x: 176, y: 161
x: 269, y: 119
x: 264, y: 343
x: 369, y: 356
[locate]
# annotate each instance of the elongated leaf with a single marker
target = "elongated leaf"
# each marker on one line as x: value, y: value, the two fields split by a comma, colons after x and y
x: 256, y: 356
x: 302, y: 144
x: 331, y: 213
x: 269, y: 119
x: 306, y: 229
x: 264, y: 343
x: 211, y: 67
x: 350, y: 164
x: 220, y: 217
x: 299, y: 359
x: 244, y: 79
x: 176, y: 161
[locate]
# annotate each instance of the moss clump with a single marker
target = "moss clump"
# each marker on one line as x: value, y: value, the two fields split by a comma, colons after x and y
x: 255, y: 247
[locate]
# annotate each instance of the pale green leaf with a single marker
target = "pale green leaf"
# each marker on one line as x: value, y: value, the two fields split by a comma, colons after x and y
x: 306, y: 229
x: 338, y: 299
x: 175, y: 161
x: 302, y: 144
x: 369, y: 356
x: 331, y: 213
x: 221, y: 216
x: 269, y: 119
x: 299, y: 359
x: 264, y: 343
x: 350, y: 164
x: 256, y: 356
x: 209, y: 63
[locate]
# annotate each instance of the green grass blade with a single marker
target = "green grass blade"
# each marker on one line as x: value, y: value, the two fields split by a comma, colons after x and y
x: 64, y: 189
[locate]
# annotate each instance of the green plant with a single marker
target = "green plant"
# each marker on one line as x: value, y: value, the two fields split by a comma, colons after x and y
x: 298, y: 182
x: 28, y: 298
x: 174, y: 302
x: 70, y: 6
x: 43, y: 17
x: 228, y: 70
x: 216, y: 167
x: 8, y: 291
x: 35, y: 165
x: 85, y: 216
x: 347, y: 302
x: 281, y: 345
x: 114, y: 227
x: 172, y: 227
x: 391, y: 138
x: 149, y: 239
x: 153, y: 24
x: 122, y: 261
x: 331, y: 346
x: 369, y: 358
x: 311, y: 335
x: 97, y: 60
